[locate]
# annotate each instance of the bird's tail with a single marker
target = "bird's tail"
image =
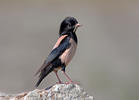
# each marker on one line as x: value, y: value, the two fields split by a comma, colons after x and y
x: 43, y: 74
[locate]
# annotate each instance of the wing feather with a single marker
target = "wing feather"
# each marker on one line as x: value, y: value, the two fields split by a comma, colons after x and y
x: 56, y: 52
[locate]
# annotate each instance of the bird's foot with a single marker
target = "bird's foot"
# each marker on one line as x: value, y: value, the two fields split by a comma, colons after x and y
x: 71, y: 83
x: 59, y: 82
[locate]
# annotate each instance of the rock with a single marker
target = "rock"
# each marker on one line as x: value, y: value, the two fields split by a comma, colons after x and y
x: 56, y: 92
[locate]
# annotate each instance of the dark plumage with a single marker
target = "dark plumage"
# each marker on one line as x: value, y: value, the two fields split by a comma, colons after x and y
x: 63, y: 50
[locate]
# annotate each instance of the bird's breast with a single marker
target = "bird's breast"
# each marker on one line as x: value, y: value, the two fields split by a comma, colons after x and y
x: 69, y: 53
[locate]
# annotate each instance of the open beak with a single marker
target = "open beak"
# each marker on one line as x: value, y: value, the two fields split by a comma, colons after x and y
x: 76, y: 26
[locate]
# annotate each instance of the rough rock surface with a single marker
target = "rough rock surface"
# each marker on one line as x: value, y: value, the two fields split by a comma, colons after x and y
x: 56, y: 92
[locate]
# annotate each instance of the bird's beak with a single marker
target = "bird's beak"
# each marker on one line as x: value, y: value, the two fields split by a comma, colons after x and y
x: 76, y: 26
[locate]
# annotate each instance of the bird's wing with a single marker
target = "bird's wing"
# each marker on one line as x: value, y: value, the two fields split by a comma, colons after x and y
x: 56, y: 52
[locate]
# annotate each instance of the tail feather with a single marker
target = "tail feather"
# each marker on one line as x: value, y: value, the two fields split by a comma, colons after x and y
x: 42, y: 67
x: 43, y: 74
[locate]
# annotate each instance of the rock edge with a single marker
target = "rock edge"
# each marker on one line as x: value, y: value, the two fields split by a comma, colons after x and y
x: 56, y: 92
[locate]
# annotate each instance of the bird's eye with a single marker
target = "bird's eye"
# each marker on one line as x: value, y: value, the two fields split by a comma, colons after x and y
x: 68, y: 25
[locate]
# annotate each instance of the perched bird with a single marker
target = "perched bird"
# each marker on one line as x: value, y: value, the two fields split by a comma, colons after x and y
x: 62, y: 52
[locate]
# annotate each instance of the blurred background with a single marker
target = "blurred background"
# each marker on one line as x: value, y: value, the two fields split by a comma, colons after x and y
x: 106, y: 63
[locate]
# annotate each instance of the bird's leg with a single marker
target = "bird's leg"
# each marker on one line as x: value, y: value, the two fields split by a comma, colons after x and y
x: 59, y: 81
x: 70, y: 81
x: 63, y: 70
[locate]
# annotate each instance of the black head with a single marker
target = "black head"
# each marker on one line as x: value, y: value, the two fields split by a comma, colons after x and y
x: 68, y: 25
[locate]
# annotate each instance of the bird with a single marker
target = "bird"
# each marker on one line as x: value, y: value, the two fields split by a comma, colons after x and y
x: 62, y: 52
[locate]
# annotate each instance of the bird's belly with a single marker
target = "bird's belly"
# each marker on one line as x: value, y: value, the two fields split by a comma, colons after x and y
x: 69, y: 53
x: 57, y: 68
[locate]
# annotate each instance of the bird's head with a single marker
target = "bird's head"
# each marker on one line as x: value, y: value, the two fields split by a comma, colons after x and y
x: 68, y: 25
